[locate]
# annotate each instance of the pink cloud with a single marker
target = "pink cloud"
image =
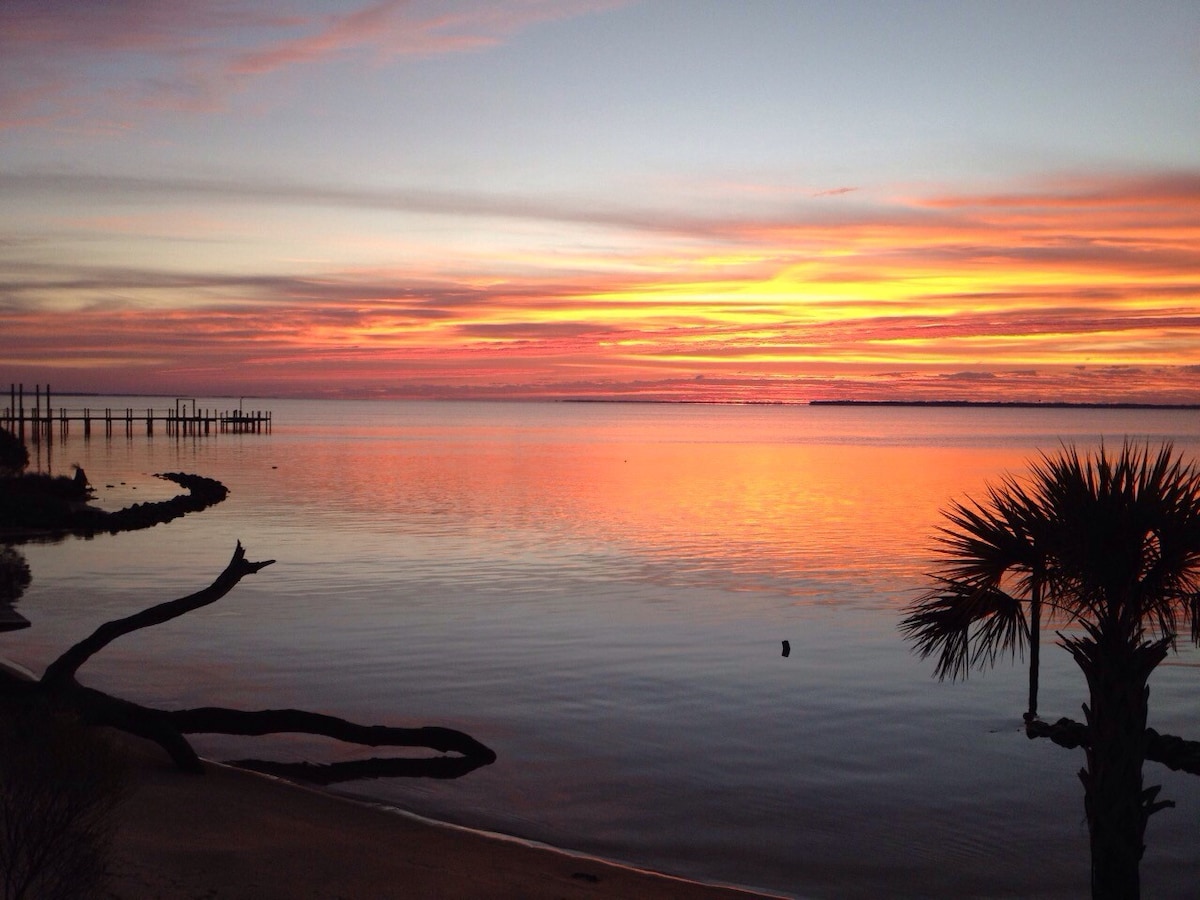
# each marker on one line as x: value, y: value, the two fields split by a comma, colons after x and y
x: 397, y: 28
x: 60, y: 59
x: 388, y: 28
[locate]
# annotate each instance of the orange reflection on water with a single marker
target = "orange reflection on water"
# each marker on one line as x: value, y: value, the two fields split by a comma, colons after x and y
x: 758, y: 514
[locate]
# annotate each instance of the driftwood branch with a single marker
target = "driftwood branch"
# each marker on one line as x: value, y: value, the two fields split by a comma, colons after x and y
x: 219, y: 720
x: 65, y: 667
x: 168, y: 727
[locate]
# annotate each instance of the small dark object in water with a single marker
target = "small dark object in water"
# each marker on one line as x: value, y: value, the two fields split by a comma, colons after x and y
x: 787, y: 648
x: 585, y: 876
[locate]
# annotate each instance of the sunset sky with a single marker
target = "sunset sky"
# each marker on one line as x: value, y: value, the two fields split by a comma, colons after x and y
x: 770, y: 201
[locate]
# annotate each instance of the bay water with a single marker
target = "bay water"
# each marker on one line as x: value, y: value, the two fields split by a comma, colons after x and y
x: 600, y: 592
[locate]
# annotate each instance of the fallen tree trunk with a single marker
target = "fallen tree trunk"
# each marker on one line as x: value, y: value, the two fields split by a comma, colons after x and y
x: 167, y: 728
x: 1175, y: 753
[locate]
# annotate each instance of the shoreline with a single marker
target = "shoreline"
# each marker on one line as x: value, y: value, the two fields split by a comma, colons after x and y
x: 1009, y: 404
x: 579, y: 856
x: 234, y: 835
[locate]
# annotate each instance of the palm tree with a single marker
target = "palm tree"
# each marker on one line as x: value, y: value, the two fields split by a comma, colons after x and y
x: 1111, y: 547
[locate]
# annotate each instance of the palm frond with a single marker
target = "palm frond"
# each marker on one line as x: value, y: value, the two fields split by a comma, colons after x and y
x: 965, y: 626
x: 989, y: 541
x: 1126, y: 546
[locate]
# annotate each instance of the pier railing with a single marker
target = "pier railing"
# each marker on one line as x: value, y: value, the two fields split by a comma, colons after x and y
x: 42, y: 420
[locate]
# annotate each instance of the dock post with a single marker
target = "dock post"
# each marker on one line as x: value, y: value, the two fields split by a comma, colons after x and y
x: 35, y: 424
x: 49, y: 419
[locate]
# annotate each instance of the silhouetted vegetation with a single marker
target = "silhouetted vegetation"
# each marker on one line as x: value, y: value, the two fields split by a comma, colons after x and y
x: 14, y: 455
x: 60, y: 785
x: 14, y: 579
x: 14, y: 575
x: 1109, y: 547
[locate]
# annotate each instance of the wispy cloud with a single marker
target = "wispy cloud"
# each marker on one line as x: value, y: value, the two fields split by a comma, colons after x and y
x: 415, y: 200
x: 400, y: 28
x: 87, y: 63
x: 1127, y: 192
x: 1148, y: 222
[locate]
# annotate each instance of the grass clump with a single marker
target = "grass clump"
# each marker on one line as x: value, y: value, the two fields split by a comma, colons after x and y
x: 60, y: 786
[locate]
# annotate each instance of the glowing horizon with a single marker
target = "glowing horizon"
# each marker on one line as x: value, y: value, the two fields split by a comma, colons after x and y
x: 736, y: 276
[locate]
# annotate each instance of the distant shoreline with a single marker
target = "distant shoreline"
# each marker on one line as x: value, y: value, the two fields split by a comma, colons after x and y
x: 928, y: 404
x: 1007, y: 404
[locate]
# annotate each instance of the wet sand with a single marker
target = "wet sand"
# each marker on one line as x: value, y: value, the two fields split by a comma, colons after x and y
x: 232, y: 835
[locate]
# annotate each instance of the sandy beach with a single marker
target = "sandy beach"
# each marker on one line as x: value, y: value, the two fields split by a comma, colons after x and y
x: 233, y: 835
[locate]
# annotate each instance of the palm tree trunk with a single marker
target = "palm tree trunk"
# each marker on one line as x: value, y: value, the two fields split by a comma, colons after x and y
x: 1115, y: 802
x: 1035, y: 647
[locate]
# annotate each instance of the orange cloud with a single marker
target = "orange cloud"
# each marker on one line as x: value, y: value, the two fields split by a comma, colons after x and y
x: 1048, y: 293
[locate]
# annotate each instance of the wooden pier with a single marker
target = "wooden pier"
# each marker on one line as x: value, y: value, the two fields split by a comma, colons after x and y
x: 42, y: 421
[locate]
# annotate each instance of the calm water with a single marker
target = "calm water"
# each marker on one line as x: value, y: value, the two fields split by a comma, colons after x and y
x: 599, y: 592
